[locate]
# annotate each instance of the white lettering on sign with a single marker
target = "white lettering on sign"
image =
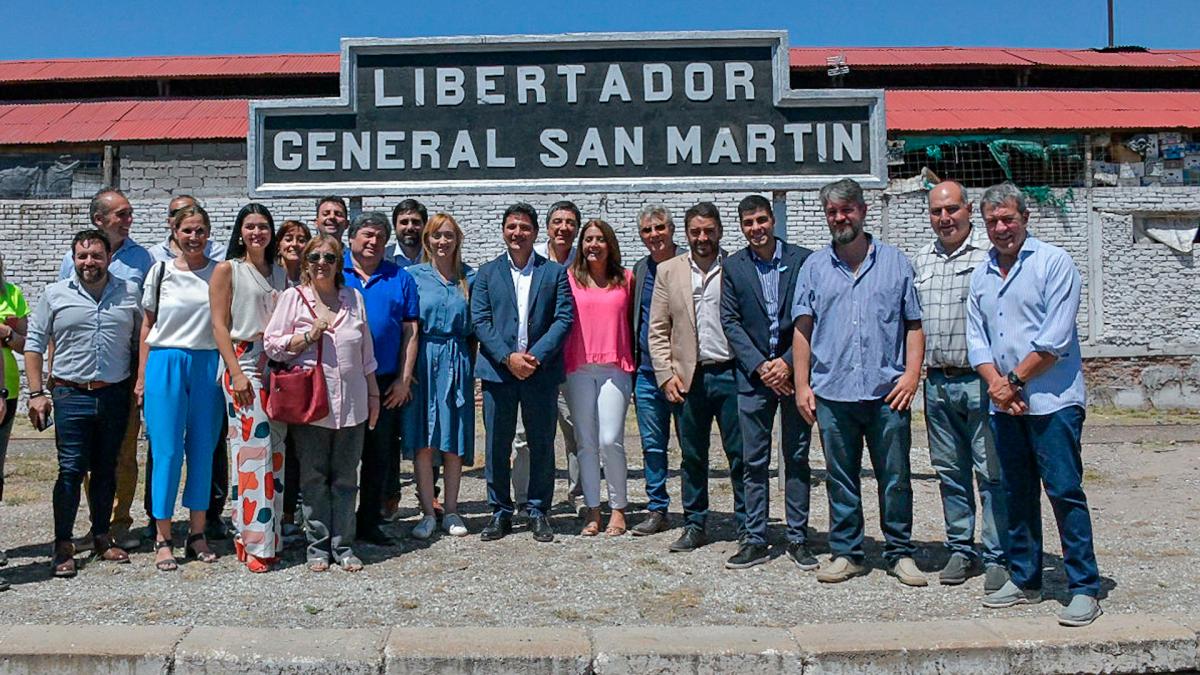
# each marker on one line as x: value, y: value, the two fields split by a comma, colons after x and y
x: 760, y: 138
x: 493, y: 159
x: 630, y: 147
x: 425, y: 144
x: 572, y: 73
x: 592, y: 149
x: 682, y: 147
x: 551, y: 140
x: 382, y: 100
x: 531, y: 79
x: 797, y: 131
x: 701, y: 90
x: 485, y: 84
x: 356, y: 150
x: 656, y: 82
x: 284, y: 159
x: 386, y: 151
x: 463, y: 151
x: 419, y: 86
x: 614, y: 85
x: 317, y: 149
x: 847, y: 142
x: 724, y: 148
x: 450, y: 86
x: 739, y: 75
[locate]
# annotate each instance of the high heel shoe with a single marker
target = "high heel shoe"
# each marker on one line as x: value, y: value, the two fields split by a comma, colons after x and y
x: 193, y: 554
x: 259, y: 565
x: 239, y: 548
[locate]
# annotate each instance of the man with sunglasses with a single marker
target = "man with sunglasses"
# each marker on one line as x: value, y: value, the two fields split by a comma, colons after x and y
x: 956, y: 400
x: 168, y: 249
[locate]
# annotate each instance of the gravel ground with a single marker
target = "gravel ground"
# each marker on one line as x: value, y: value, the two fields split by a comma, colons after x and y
x: 1142, y: 477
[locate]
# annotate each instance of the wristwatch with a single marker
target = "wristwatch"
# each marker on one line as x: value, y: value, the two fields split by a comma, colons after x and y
x: 4, y: 393
x: 1015, y: 381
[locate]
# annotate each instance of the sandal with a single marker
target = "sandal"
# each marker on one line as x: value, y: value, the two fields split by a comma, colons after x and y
x: 191, y: 552
x: 615, y: 530
x: 169, y: 564
x: 104, y: 549
x: 318, y: 565
x: 351, y: 564
x: 239, y: 548
x: 62, y: 565
x: 259, y: 565
x: 591, y: 529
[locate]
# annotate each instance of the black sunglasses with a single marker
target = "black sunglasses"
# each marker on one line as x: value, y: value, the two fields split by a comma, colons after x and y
x: 327, y: 258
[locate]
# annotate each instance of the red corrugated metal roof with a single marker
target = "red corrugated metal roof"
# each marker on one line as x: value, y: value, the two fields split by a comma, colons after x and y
x: 977, y: 110
x: 123, y: 121
x: 155, y: 67
x: 909, y: 57
x: 907, y: 110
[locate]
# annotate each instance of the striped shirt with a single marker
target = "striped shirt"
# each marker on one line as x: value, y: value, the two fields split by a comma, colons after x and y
x: 943, y: 283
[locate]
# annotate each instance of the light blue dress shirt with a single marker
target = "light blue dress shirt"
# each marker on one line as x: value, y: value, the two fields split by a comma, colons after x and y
x: 858, y: 339
x: 130, y: 262
x: 93, y: 340
x: 1031, y: 310
x: 768, y: 278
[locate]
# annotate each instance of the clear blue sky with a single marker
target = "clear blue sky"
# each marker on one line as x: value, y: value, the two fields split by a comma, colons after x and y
x: 53, y: 28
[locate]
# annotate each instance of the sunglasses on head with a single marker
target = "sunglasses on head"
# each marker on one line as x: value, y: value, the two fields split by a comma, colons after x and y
x: 327, y: 258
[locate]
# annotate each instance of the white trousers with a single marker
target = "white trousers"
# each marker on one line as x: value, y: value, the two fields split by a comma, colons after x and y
x: 598, y: 396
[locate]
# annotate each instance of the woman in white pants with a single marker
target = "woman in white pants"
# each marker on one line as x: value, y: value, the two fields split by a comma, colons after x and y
x: 599, y: 363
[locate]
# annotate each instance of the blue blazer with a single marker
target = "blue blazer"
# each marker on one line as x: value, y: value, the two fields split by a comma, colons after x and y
x: 494, y: 313
x: 744, y: 312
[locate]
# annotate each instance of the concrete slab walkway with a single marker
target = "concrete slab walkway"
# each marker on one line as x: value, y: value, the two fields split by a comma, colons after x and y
x: 1117, y: 643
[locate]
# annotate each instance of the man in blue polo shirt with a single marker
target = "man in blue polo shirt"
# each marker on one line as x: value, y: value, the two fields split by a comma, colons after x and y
x: 390, y: 297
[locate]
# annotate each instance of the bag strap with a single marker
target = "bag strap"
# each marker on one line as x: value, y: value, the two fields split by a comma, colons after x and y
x: 321, y: 339
x: 162, y: 272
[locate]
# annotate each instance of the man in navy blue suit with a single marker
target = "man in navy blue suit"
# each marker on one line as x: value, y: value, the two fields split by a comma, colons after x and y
x: 522, y: 308
x: 756, y: 314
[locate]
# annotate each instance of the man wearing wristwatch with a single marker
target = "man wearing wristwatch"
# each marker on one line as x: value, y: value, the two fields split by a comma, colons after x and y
x: 93, y: 319
x: 1023, y: 341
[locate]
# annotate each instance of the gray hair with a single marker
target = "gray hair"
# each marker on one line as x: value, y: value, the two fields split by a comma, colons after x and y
x: 377, y: 219
x: 98, y: 207
x: 844, y: 190
x: 655, y: 211
x: 1001, y: 194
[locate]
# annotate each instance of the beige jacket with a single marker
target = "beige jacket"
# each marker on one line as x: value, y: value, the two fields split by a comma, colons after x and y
x: 673, y: 340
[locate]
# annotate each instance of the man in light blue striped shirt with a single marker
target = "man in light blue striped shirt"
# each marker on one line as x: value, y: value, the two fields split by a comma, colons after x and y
x: 1023, y: 341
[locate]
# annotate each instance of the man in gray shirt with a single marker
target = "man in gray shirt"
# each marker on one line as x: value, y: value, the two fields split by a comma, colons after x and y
x: 93, y: 320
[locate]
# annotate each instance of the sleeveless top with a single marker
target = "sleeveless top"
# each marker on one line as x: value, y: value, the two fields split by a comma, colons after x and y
x: 253, y: 299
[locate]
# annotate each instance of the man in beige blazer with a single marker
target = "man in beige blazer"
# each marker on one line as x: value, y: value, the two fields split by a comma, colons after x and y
x: 694, y: 366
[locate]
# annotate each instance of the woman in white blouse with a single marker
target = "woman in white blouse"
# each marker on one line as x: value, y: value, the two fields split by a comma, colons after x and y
x: 177, y: 385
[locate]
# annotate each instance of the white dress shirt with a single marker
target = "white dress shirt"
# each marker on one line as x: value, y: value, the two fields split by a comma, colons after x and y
x: 706, y: 298
x: 522, y: 281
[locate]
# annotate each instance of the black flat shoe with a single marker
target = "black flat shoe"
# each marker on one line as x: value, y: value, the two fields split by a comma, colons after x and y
x: 540, y: 525
x: 653, y: 524
x: 374, y: 536
x: 691, y: 539
x: 499, y: 526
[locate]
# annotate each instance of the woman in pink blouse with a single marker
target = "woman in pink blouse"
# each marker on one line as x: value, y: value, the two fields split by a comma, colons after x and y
x: 322, y: 311
x: 599, y: 361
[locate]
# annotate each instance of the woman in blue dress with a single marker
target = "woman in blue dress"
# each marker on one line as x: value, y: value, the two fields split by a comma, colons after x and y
x: 441, y: 415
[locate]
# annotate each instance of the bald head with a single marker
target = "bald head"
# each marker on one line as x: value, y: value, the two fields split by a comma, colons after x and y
x: 950, y: 214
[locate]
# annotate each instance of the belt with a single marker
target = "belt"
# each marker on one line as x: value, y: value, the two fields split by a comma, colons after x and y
x: 84, y: 386
x: 715, y: 365
x: 951, y: 371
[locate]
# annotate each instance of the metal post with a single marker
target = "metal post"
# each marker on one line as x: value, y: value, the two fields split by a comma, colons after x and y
x: 108, y: 168
x: 1111, y: 41
x: 1095, y: 252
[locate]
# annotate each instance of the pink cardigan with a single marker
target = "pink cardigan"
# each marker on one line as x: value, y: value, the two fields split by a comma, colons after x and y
x: 601, y: 333
x: 348, y: 354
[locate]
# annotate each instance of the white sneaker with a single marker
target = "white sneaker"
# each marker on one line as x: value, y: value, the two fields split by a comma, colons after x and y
x: 453, y: 524
x: 425, y: 528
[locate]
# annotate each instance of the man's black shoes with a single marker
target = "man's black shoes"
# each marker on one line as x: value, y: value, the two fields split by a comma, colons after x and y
x: 540, y: 525
x: 691, y: 539
x: 497, y: 527
x: 748, y: 555
x: 803, y: 557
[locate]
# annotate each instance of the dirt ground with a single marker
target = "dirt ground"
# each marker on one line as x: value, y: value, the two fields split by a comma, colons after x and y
x: 1142, y: 479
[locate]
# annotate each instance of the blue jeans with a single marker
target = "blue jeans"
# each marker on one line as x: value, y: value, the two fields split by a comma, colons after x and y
x: 844, y: 426
x: 654, y: 424
x: 757, y: 417
x: 183, y: 408
x: 88, y: 429
x: 960, y: 444
x: 711, y: 398
x: 1045, y: 449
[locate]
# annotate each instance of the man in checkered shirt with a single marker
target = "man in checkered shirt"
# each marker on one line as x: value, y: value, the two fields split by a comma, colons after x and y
x: 956, y: 399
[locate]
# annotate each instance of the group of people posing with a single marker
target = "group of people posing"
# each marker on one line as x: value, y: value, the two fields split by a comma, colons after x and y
x: 399, y: 333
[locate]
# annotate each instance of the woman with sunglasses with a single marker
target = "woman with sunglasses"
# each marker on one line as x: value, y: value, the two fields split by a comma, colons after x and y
x: 322, y: 316
x: 177, y: 385
x: 290, y: 238
x: 243, y: 292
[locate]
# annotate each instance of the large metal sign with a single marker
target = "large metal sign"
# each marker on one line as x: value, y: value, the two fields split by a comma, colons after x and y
x: 566, y: 113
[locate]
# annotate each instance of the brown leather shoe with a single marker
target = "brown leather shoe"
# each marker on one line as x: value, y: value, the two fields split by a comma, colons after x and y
x: 653, y: 524
x: 105, y: 549
x: 63, y: 563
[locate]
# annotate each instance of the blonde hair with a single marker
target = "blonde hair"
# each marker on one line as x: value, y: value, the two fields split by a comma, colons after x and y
x: 322, y: 240
x: 435, y: 223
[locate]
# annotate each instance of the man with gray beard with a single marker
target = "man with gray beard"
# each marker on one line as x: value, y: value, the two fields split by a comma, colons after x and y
x: 857, y: 350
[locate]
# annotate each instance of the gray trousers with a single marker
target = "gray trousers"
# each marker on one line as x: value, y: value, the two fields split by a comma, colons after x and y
x: 520, y: 465
x: 329, y: 482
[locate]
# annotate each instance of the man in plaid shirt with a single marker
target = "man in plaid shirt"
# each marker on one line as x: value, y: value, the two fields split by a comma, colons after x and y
x: 956, y: 399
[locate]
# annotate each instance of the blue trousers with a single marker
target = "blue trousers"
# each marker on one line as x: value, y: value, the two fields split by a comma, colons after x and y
x: 88, y: 429
x: 712, y: 397
x: 1037, y: 450
x: 654, y: 424
x: 183, y: 408
x: 844, y: 426
x: 537, y: 403
x: 957, y: 419
x: 756, y: 415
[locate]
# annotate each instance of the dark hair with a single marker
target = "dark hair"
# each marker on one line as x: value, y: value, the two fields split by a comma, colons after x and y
x: 84, y: 236
x: 335, y: 200
x: 564, y: 205
x: 237, y: 246
x: 754, y: 203
x: 410, y: 206
x: 97, y: 207
x: 702, y: 210
x: 523, y: 209
x: 613, y: 270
